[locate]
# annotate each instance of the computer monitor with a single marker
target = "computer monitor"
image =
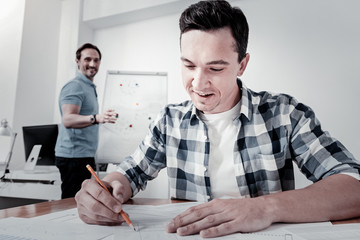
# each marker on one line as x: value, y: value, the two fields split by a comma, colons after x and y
x: 44, y: 135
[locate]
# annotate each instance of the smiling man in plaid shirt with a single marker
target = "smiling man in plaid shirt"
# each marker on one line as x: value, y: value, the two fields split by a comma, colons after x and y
x: 231, y: 147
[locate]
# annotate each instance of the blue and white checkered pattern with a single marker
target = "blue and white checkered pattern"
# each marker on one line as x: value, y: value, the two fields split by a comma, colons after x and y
x: 273, y: 131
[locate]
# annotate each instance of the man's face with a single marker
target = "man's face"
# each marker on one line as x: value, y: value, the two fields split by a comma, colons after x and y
x: 210, y: 68
x: 89, y: 63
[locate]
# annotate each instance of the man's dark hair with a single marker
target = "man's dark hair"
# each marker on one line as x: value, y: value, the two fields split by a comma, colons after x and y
x: 85, y: 46
x: 213, y: 15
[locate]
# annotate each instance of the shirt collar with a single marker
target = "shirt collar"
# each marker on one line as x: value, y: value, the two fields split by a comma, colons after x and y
x: 83, y: 78
x: 246, y: 100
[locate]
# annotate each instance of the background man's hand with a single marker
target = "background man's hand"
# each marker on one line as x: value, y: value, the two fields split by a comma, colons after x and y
x: 109, y: 116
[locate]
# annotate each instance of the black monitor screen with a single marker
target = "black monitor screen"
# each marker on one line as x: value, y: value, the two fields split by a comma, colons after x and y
x: 44, y: 135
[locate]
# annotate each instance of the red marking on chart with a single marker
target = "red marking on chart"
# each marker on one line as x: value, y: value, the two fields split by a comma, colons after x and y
x: 130, y: 125
x: 120, y: 84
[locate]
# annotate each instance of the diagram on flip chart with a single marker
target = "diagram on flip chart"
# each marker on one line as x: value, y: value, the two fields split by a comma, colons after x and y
x: 137, y: 97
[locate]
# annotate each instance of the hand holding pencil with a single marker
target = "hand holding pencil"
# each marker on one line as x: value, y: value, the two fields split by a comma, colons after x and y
x: 122, y: 213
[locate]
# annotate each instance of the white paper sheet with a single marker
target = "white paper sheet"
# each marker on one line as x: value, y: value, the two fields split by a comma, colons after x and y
x: 333, y: 232
x: 149, y: 220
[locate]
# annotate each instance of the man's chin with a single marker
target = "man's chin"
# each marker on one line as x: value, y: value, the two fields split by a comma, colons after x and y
x: 203, y: 107
x: 91, y: 72
x: 90, y: 76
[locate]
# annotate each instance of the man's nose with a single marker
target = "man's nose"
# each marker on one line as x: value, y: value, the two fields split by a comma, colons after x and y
x: 92, y: 64
x: 200, y: 80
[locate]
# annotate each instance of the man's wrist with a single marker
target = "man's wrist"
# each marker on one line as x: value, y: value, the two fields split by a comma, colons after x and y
x: 273, y: 207
x: 93, y: 119
x: 96, y: 122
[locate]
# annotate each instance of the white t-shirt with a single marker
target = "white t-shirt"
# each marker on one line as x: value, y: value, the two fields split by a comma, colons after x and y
x: 222, y: 135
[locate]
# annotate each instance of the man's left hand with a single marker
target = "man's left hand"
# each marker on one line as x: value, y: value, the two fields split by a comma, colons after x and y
x: 222, y: 217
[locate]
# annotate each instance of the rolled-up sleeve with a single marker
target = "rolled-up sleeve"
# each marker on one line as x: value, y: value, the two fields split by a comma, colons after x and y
x: 316, y: 152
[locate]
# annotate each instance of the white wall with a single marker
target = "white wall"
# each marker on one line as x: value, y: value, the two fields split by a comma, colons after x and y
x: 36, y: 80
x: 10, y: 42
x: 94, y: 9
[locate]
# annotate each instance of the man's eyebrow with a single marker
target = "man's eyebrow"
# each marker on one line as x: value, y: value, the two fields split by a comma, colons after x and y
x: 185, y: 59
x: 95, y: 58
x: 215, y: 62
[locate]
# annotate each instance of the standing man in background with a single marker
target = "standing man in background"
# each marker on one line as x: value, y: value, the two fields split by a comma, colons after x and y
x: 79, y: 130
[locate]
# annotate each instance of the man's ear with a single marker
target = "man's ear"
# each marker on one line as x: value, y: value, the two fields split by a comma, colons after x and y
x: 77, y: 63
x: 243, y: 64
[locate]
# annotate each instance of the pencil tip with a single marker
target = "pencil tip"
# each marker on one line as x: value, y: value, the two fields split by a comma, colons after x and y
x: 132, y: 226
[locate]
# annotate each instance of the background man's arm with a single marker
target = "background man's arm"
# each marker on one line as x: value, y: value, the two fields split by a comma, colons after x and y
x: 72, y: 119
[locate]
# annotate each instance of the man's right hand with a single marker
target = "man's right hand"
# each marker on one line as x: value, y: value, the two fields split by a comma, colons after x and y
x: 109, y: 116
x: 96, y: 206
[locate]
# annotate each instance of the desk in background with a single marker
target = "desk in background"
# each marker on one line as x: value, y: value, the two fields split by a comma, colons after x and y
x: 43, y: 183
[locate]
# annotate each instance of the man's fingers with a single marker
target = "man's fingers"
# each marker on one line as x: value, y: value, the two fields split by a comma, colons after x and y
x: 220, y: 230
x: 210, y: 225
x: 117, y: 190
x: 96, y: 206
x: 188, y: 220
x: 99, y: 220
x: 110, y: 117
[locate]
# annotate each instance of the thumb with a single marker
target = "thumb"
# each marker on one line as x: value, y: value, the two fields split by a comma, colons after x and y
x: 117, y: 190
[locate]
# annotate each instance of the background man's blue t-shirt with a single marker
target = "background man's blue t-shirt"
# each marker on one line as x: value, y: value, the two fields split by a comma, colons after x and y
x: 78, y: 142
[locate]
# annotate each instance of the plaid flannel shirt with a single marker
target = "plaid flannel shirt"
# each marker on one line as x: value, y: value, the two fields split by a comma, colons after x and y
x: 273, y: 131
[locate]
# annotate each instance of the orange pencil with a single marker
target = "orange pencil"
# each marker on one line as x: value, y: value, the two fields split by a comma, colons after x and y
x: 123, y: 214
